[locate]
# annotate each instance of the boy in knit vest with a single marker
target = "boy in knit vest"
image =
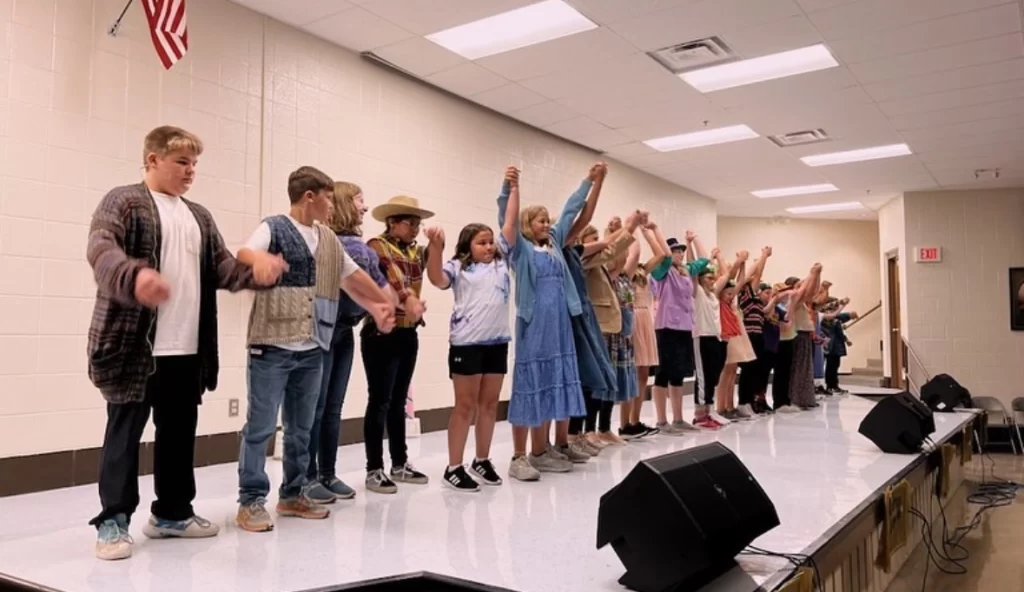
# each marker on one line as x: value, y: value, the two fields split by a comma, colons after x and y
x: 289, y: 328
x: 158, y: 262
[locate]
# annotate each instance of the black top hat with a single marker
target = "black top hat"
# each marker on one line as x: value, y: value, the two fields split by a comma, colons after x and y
x: 673, y: 244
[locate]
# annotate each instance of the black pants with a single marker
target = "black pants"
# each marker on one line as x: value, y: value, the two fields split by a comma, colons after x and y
x: 599, y: 416
x: 712, y: 352
x: 389, y: 361
x: 832, y: 371
x: 752, y: 371
x: 173, y: 394
x: 783, y: 369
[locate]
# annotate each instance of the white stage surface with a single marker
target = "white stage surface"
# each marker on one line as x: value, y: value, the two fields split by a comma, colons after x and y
x: 527, y: 537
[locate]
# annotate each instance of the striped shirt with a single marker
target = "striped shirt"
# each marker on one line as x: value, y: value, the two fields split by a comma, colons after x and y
x: 402, y: 265
x: 753, y: 310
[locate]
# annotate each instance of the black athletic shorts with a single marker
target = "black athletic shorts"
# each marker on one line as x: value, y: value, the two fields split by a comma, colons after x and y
x: 468, y: 360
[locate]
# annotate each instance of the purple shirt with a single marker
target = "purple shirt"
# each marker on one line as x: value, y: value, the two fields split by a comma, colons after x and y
x: 675, y: 302
x: 369, y: 262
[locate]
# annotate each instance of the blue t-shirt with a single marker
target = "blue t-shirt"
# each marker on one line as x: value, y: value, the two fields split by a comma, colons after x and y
x: 481, y: 312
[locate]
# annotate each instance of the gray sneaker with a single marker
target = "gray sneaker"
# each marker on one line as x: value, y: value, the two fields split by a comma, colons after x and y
x: 319, y: 494
x: 195, y: 527
x: 253, y: 516
x: 521, y: 470
x: 549, y: 463
x: 551, y: 450
x: 670, y: 429
x: 338, y: 488
x: 574, y: 453
x: 745, y: 412
x: 685, y: 426
x: 378, y: 482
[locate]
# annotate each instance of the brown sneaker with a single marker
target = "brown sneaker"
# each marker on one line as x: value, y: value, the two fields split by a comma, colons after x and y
x: 302, y: 507
x: 253, y: 516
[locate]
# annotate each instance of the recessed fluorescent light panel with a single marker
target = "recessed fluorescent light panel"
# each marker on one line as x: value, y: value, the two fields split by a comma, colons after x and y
x: 798, y: 190
x: 721, y: 135
x: 834, y: 207
x: 514, y: 29
x: 769, y: 67
x: 874, y: 153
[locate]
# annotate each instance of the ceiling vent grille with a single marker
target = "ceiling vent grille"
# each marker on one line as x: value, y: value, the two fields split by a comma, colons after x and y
x: 800, y: 138
x: 693, y: 55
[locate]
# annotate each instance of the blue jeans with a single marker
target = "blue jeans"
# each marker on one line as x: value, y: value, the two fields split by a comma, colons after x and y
x: 326, y: 432
x: 286, y: 380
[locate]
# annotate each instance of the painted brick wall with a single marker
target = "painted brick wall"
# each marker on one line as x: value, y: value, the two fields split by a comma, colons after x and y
x: 76, y: 103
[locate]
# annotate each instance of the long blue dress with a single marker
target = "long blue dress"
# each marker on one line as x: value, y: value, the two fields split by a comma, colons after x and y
x: 545, y: 379
x: 596, y: 372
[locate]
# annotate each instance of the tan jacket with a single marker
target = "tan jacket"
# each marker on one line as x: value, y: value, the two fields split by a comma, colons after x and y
x: 599, y: 286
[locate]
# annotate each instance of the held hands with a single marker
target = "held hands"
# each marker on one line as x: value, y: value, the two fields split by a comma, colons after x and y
x: 691, y: 236
x: 766, y: 252
x: 614, y: 224
x: 267, y: 268
x: 715, y: 252
x: 414, y: 308
x: 383, y: 314
x: 742, y: 256
x: 150, y: 288
x: 435, y: 235
x: 598, y: 171
x: 816, y: 268
x: 512, y: 176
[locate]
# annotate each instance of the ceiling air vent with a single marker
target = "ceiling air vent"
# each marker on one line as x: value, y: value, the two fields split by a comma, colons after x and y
x: 693, y: 54
x: 800, y: 138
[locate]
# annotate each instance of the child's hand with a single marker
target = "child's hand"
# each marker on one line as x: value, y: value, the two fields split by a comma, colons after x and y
x: 743, y: 255
x: 614, y: 224
x: 598, y: 171
x: 715, y: 252
x: 691, y: 236
x: 512, y: 176
x: 435, y: 234
x: 766, y: 252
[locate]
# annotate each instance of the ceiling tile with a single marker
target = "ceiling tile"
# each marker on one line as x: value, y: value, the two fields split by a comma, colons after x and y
x: 544, y: 114
x: 928, y: 119
x: 419, y: 56
x: 786, y: 34
x: 357, y: 29
x: 996, y: 49
x: 960, y: 129
x: 966, y: 141
x: 613, y: 11
x: 935, y: 82
x: 701, y: 18
x: 425, y: 17
x: 794, y: 91
x: 955, y: 98
x: 627, y: 78
x: 814, y: 5
x: 854, y: 19
x: 466, y: 79
x: 297, y: 12
x: 587, y: 49
x: 959, y: 28
x: 510, y: 97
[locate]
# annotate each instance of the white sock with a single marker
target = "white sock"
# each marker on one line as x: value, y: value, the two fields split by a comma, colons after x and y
x: 453, y: 467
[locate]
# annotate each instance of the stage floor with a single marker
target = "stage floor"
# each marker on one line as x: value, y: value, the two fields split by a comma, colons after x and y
x: 528, y: 537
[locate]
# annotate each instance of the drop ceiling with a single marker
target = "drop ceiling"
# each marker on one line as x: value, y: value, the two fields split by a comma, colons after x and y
x: 944, y: 76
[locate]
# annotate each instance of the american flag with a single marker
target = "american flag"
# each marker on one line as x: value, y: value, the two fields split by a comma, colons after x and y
x: 168, y: 28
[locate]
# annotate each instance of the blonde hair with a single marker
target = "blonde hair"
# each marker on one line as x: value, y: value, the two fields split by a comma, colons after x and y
x: 588, y: 230
x: 168, y: 138
x: 526, y: 218
x: 344, y: 218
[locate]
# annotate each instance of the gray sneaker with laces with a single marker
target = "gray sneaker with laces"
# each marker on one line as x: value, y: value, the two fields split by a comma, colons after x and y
x: 378, y: 482
x: 253, y: 516
x: 112, y: 539
x: 521, y: 469
x: 549, y: 463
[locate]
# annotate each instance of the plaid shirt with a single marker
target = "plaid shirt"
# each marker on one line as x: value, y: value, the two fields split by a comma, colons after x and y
x: 403, y: 266
x: 124, y: 238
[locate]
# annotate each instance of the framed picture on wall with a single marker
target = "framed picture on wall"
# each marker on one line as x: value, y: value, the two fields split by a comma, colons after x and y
x: 1017, y: 298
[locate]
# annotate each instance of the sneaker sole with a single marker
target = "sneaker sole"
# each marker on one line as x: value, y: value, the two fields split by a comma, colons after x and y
x: 305, y: 515
x: 414, y: 481
x: 323, y: 502
x: 349, y: 496
x: 385, y: 491
x: 114, y: 556
x: 154, y: 532
x: 529, y: 479
x: 264, y: 528
x: 461, y: 489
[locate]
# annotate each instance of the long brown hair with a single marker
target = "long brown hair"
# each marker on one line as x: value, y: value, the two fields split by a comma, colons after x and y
x: 344, y: 217
x: 464, y: 246
x: 526, y: 218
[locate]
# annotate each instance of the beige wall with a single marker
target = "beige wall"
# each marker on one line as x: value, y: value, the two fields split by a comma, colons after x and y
x: 892, y: 238
x: 76, y: 103
x: 959, y: 309
x: 847, y: 250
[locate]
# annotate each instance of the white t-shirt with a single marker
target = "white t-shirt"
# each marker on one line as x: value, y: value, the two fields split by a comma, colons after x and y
x: 177, y: 320
x: 480, y: 315
x: 260, y: 241
x: 707, y: 315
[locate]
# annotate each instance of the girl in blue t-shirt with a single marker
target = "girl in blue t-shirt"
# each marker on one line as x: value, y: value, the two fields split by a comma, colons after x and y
x: 478, y: 275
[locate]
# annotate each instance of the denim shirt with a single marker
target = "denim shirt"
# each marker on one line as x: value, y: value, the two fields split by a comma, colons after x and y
x: 522, y: 253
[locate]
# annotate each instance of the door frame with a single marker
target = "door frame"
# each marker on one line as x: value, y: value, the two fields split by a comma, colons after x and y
x: 895, y: 336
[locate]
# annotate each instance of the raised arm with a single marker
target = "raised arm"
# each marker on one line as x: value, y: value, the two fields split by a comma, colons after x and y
x: 435, y: 251
x: 618, y: 243
x: 589, y: 208
x: 632, y: 260
x: 739, y: 269
x: 809, y: 287
x: 724, y: 274
x: 573, y: 207
x: 659, y: 247
x: 508, y: 212
x: 755, y: 276
x: 697, y: 247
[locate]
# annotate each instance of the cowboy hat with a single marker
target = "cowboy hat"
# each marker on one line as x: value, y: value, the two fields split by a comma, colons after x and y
x: 400, y: 205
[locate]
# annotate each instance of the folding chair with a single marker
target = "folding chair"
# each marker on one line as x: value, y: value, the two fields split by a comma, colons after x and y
x: 993, y: 407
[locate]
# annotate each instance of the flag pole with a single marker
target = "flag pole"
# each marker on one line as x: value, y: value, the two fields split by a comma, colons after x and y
x: 112, y: 31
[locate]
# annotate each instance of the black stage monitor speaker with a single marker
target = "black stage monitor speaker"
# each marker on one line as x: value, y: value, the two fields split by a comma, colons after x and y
x: 943, y: 393
x: 898, y: 424
x: 415, y: 582
x: 678, y: 521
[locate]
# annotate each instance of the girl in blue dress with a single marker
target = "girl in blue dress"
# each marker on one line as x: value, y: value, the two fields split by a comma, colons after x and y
x: 545, y: 379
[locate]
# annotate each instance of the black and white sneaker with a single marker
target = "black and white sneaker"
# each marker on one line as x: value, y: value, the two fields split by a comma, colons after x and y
x: 408, y: 474
x: 459, y: 480
x: 646, y: 429
x: 485, y: 470
x: 631, y: 432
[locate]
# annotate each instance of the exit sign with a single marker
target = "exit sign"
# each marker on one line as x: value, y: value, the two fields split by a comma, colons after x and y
x: 928, y: 254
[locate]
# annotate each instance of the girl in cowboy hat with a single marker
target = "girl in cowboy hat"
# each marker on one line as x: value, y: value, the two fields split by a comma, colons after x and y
x: 390, y: 359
